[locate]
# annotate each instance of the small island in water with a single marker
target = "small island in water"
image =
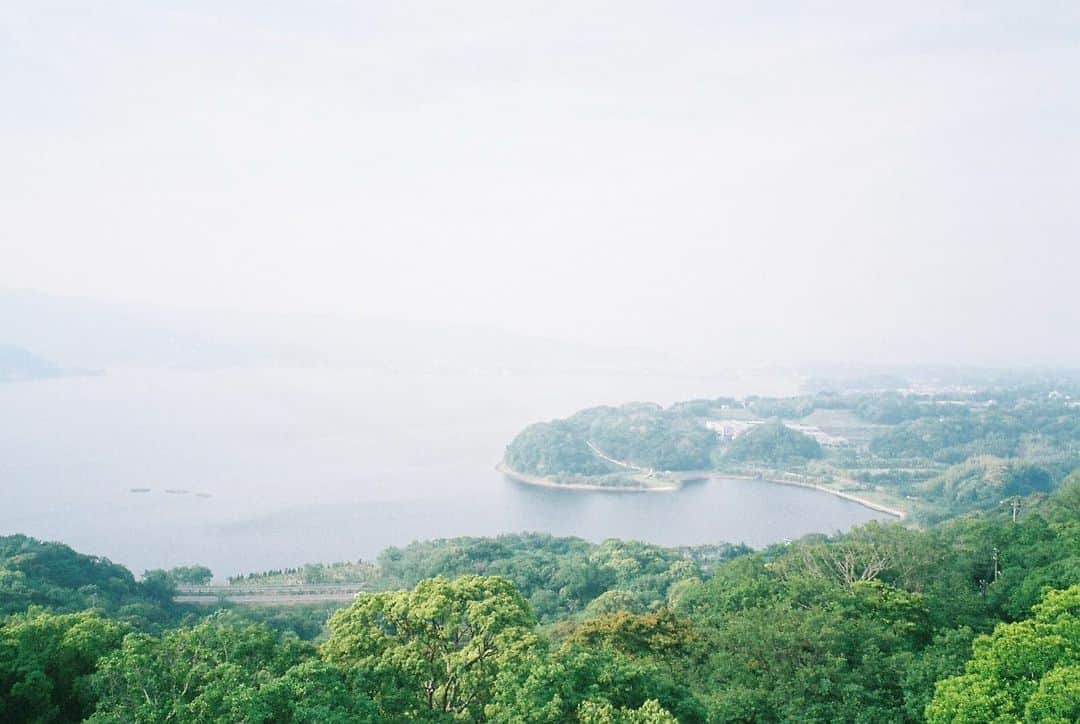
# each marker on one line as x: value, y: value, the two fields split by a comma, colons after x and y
x: 911, y: 451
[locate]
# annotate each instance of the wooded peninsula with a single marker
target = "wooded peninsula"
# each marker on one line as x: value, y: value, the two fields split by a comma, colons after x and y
x: 927, y: 455
x: 967, y: 611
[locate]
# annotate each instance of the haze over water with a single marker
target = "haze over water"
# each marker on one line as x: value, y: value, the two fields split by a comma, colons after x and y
x: 306, y: 465
x: 577, y: 186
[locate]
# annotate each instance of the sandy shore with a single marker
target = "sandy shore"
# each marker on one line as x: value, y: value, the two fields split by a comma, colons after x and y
x: 872, y: 505
x: 697, y: 474
x: 545, y: 483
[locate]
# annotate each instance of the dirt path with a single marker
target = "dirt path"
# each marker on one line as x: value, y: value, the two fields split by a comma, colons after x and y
x: 619, y: 463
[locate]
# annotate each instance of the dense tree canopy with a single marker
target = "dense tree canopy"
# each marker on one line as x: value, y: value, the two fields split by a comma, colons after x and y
x: 438, y: 648
x: 936, y: 455
x: 35, y: 573
x: 46, y: 661
x: 553, y: 448
x: 1026, y: 671
x: 975, y: 618
x: 636, y: 436
x: 776, y: 444
x: 985, y: 481
x: 854, y: 627
x: 223, y: 670
x: 559, y: 576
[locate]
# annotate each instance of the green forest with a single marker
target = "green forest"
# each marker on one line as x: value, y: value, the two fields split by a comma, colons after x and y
x: 966, y: 610
x: 974, y: 619
x: 934, y: 455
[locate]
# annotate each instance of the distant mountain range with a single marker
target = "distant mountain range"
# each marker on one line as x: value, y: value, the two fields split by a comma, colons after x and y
x: 88, y: 333
x: 17, y: 363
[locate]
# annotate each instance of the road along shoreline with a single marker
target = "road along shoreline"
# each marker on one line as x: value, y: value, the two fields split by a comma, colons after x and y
x: 543, y: 482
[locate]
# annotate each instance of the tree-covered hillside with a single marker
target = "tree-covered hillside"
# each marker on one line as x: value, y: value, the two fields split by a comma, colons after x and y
x: 907, y: 450
x: 552, y: 449
x: 775, y: 444
x: 635, y: 436
x: 560, y: 577
x: 986, y: 481
x: 17, y: 363
x: 52, y: 575
x: 974, y: 619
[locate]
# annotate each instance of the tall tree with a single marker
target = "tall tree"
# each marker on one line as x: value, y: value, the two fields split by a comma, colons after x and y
x: 437, y: 649
x: 45, y: 663
x: 1026, y: 671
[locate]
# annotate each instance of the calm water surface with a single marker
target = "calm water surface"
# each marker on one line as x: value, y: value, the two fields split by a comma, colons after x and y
x: 283, y: 467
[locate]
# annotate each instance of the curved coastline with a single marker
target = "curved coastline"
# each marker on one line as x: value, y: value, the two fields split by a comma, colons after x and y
x: 872, y: 505
x: 543, y: 482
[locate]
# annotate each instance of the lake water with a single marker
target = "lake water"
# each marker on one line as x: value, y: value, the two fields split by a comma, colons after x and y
x: 283, y: 467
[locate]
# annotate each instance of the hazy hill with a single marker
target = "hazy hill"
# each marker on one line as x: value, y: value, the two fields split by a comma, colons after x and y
x: 17, y: 363
x: 101, y: 334
x: 774, y: 443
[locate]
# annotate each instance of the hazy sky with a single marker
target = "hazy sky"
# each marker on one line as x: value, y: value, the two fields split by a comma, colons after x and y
x: 875, y: 181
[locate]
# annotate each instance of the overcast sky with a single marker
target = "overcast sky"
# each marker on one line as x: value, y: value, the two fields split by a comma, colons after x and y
x: 878, y: 182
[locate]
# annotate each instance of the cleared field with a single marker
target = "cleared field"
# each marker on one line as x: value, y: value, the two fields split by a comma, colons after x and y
x: 844, y: 423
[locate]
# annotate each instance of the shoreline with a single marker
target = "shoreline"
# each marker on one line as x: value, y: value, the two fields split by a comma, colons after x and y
x: 543, y: 482
x: 866, y: 503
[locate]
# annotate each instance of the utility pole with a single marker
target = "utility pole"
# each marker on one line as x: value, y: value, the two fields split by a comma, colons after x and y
x: 1015, y: 508
x: 997, y: 571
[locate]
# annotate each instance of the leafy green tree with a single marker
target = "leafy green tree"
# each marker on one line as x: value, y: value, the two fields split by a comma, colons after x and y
x: 817, y: 651
x: 1026, y: 671
x: 437, y: 649
x: 553, y: 448
x: 1065, y: 506
x: 209, y: 672
x: 944, y: 657
x: 638, y: 433
x: 45, y: 663
x: 602, y: 712
x: 191, y: 575
x: 549, y: 687
x: 611, y: 601
x: 1057, y: 700
x: 159, y: 586
x: 774, y: 444
x: 983, y: 481
x: 315, y: 692
x: 791, y: 408
x: 559, y: 576
x: 55, y: 576
x: 661, y: 635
